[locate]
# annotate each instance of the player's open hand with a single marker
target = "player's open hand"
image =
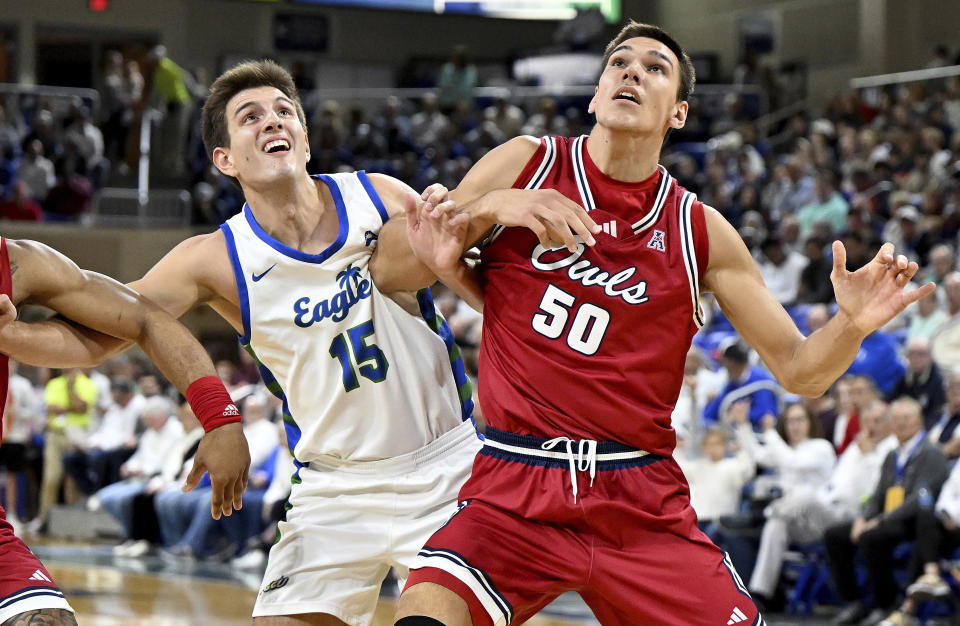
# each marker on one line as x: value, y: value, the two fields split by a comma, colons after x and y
x: 872, y: 295
x: 554, y: 219
x: 223, y: 453
x: 437, y: 232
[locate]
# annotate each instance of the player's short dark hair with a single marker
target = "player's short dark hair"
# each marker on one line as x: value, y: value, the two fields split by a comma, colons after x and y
x: 688, y: 76
x: 247, y: 75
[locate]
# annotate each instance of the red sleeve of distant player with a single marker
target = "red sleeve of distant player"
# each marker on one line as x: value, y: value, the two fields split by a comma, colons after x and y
x: 6, y: 287
x: 532, y: 165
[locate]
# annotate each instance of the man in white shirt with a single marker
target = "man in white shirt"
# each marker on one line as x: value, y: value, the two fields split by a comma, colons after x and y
x: 157, y: 442
x: 98, y: 463
x: 781, y: 269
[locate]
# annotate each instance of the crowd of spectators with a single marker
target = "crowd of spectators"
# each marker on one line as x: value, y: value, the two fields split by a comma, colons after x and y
x: 119, y: 439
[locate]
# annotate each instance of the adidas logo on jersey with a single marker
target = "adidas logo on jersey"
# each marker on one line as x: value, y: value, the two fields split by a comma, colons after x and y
x: 736, y: 617
x: 657, y: 242
x: 38, y: 575
x: 610, y: 228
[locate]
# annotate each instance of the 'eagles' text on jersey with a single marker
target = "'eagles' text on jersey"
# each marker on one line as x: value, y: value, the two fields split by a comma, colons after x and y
x: 362, y: 376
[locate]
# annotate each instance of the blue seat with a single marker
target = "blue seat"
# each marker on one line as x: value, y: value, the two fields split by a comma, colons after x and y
x: 812, y: 584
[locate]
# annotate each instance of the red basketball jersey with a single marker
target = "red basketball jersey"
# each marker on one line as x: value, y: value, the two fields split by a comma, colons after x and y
x: 592, y: 344
x: 6, y: 287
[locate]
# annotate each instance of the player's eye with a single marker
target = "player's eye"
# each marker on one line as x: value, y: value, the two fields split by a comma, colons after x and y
x: 655, y: 68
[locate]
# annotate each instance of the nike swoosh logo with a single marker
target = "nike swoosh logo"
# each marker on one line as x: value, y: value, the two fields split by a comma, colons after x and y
x: 257, y: 277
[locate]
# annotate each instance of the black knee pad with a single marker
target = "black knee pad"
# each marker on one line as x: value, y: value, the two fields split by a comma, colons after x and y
x: 418, y: 620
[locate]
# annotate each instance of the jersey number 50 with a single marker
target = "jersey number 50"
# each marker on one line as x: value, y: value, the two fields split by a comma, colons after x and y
x: 340, y: 349
x: 589, y: 321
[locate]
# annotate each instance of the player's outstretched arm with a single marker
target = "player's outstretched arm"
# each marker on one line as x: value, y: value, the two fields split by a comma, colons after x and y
x: 43, y: 276
x: 867, y: 298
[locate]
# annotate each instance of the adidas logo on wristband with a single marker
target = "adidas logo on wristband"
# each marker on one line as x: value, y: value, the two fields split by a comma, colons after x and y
x: 231, y: 411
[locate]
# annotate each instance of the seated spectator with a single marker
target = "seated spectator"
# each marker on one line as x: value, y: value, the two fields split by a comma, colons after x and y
x: 842, y: 429
x: 97, y: 463
x: 888, y: 517
x: 827, y: 205
x: 70, y: 197
x: 716, y: 480
x: 19, y: 206
x: 70, y: 401
x: 20, y: 417
x: 185, y: 522
x: 815, y: 286
x: 922, y: 382
x: 700, y: 385
x: 937, y: 537
x: 780, y: 268
x: 926, y: 318
x: 803, y: 515
x: 263, y: 502
x: 156, y: 445
x: 144, y: 528
x: 942, y: 261
x: 945, y: 432
x: 36, y: 172
x: 745, y: 382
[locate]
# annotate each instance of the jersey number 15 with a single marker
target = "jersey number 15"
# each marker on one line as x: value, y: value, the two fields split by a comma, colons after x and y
x: 341, y: 349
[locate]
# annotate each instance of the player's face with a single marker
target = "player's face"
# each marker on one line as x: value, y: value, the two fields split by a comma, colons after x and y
x: 637, y: 90
x: 267, y: 141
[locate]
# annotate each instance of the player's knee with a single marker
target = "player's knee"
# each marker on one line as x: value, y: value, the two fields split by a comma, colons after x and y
x: 418, y: 620
x: 53, y: 617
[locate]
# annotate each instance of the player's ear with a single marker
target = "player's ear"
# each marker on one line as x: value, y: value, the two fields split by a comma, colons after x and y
x: 306, y: 140
x: 223, y: 162
x: 679, y: 117
x: 593, y: 101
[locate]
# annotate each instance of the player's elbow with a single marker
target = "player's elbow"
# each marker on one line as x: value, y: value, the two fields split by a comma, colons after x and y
x: 803, y: 386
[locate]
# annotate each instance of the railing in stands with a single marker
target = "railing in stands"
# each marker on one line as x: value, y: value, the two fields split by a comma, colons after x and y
x: 881, y: 80
x: 162, y: 208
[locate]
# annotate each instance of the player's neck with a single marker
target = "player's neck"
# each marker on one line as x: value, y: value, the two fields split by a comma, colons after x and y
x: 625, y: 157
x: 290, y: 213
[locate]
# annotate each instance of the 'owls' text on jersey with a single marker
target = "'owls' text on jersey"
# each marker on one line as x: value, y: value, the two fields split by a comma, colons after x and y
x: 591, y: 344
x: 362, y: 376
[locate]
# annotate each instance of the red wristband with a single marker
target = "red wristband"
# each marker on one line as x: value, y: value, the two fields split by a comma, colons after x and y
x: 211, y: 403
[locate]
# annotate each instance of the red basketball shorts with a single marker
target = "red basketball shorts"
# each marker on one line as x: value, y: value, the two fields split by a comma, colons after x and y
x: 629, y: 544
x: 25, y: 584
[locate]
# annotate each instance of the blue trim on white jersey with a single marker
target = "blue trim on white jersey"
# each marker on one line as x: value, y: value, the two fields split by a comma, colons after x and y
x: 241, y: 282
x: 429, y: 313
x: 290, y: 426
x: 293, y: 253
x: 374, y: 196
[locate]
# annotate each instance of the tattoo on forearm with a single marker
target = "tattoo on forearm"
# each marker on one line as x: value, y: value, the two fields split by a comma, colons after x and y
x: 43, y: 617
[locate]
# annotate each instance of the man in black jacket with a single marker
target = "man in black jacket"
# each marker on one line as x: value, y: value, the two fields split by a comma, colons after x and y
x: 911, y: 477
x: 922, y: 381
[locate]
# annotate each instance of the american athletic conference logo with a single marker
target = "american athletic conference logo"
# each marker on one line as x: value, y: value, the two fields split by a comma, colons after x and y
x: 353, y: 289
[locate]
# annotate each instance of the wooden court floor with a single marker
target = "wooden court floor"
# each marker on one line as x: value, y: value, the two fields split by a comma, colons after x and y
x: 149, y: 591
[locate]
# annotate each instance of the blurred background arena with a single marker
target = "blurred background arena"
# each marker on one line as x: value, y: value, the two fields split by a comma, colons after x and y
x: 812, y: 120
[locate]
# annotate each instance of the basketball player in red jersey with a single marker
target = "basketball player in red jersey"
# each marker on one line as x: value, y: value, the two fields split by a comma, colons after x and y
x: 31, y: 272
x: 582, y: 360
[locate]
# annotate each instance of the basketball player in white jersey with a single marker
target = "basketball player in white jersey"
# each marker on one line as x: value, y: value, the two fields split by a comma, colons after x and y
x: 376, y: 404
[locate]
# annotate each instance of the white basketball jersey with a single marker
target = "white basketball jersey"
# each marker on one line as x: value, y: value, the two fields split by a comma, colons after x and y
x: 362, y: 376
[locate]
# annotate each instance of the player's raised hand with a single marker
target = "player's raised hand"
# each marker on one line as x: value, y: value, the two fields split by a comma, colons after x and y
x: 436, y: 230
x: 872, y: 295
x: 224, y: 454
x: 554, y: 219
